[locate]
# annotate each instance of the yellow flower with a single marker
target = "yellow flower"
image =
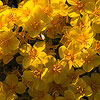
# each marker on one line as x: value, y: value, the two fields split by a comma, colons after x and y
x: 35, y: 24
x: 80, y: 89
x: 92, y: 8
x: 77, y: 7
x: 25, y: 11
x: 36, y: 77
x: 96, y: 25
x: 12, y: 86
x: 90, y: 60
x: 72, y: 77
x: 94, y: 83
x: 55, y: 27
x: 39, y: 95
x: 8, y: 42
x: 81, y: 22
x: 12, y: 16
x: 7, y: 58
x: 56, y: 70
x: 70, y: 54
x: 46, y: 13
x: 33, y: 55
x: 83, y: 38
x: 56, y: 89
x: 60, y: 8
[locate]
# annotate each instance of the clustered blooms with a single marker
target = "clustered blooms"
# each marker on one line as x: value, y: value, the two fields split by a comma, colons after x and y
x: 55, y: 45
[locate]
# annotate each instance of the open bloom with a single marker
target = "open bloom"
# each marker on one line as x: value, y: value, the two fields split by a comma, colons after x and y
x: 35, y: 78
x: 12, y: 86
x: 39, y: 95
x: 70, y: 55
x: 80, y: 89
x: 94, y: 83
x: 56, y: 70
x: 8, y: 42
x: 32, y: 55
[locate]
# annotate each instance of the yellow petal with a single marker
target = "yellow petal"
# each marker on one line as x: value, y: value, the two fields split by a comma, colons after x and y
x: 88, y: 91
x: 72, y: 2
x: 61, y: 51
x: 24, y: 49
x: 26, y: 62
x: 82, y: 83
x: 39, y: 46
x: 51, y: 61
x: 39, y: 84
x: 88, y: 67
x: 87, y: 79
x: 41, y: 55
x: 14, y: 43
x: 96, y: 27
x: 97, y: 4
x: 11, y: 80
x: 20, y: 88
x: 74, y: 21
x: 68, y: 94
x: 89, y: 7
x: 19, y: 59
x: 70, y: 64
x: 7, y: 58
x: 28, y: 75
x: 72, y: 12
x: 43, y: 74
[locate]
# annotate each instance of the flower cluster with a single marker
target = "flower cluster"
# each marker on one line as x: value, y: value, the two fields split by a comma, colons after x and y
x: 50, y: 50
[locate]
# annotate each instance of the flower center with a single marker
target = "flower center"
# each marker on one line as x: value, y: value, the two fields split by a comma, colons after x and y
x: 47, y: 10
x: 79, y: 6
x: 32, y: 53
x: 12, y: 17
x: 56, y: 68
x: 37, y: 73
x: 81, y: 38
x: 80, y: 90
x: 97, y: 12
x: 35, y: 25
x: 26, y: 12
x: 69, y: 55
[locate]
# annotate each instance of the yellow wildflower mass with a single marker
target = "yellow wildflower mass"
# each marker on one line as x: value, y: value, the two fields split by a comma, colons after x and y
x: 49, y: 49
